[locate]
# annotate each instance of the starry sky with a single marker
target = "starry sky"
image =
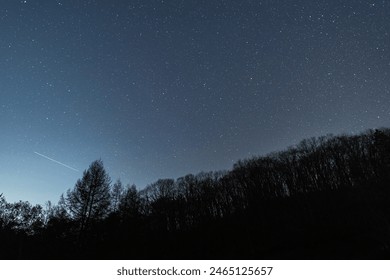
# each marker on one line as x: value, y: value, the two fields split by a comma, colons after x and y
x: 160, y: 89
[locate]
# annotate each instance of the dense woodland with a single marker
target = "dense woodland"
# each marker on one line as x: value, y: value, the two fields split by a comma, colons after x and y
x: 325, y: 198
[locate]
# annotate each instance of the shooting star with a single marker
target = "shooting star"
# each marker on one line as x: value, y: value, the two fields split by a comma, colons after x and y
x: 56, y: 161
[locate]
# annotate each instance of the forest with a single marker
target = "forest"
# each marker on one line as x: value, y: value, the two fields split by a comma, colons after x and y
x: 324, y: 198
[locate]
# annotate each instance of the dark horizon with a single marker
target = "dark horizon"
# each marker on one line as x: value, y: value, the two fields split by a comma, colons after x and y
x: 113, y: 181
x: 325, y: 198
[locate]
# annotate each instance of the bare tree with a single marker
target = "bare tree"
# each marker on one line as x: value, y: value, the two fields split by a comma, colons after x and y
x: 90, y: 198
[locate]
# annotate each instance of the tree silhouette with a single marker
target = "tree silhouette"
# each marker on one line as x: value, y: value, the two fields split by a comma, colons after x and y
x: 326, y: 197
x: 117, y: 193
x: 89, y: 200
x: 130, y: 203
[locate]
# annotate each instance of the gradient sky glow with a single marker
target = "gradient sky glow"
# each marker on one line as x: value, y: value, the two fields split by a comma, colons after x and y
x: 160, y: 89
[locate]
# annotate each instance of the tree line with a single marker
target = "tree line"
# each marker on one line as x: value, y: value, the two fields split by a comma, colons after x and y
x: 327, y: 197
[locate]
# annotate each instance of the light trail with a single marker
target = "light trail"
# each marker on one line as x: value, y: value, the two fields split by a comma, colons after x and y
x: 56, y: 161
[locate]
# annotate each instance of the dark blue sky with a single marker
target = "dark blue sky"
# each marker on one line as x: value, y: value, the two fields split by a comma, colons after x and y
x: 160, y: 89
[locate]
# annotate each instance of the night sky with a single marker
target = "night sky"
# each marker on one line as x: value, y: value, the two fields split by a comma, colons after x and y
x: 160, y: 89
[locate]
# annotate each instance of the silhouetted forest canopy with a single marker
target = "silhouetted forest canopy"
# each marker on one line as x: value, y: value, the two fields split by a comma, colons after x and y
x: 325, y: 198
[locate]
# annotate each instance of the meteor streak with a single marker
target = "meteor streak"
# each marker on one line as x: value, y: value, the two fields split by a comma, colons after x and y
x: 53, y: 160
